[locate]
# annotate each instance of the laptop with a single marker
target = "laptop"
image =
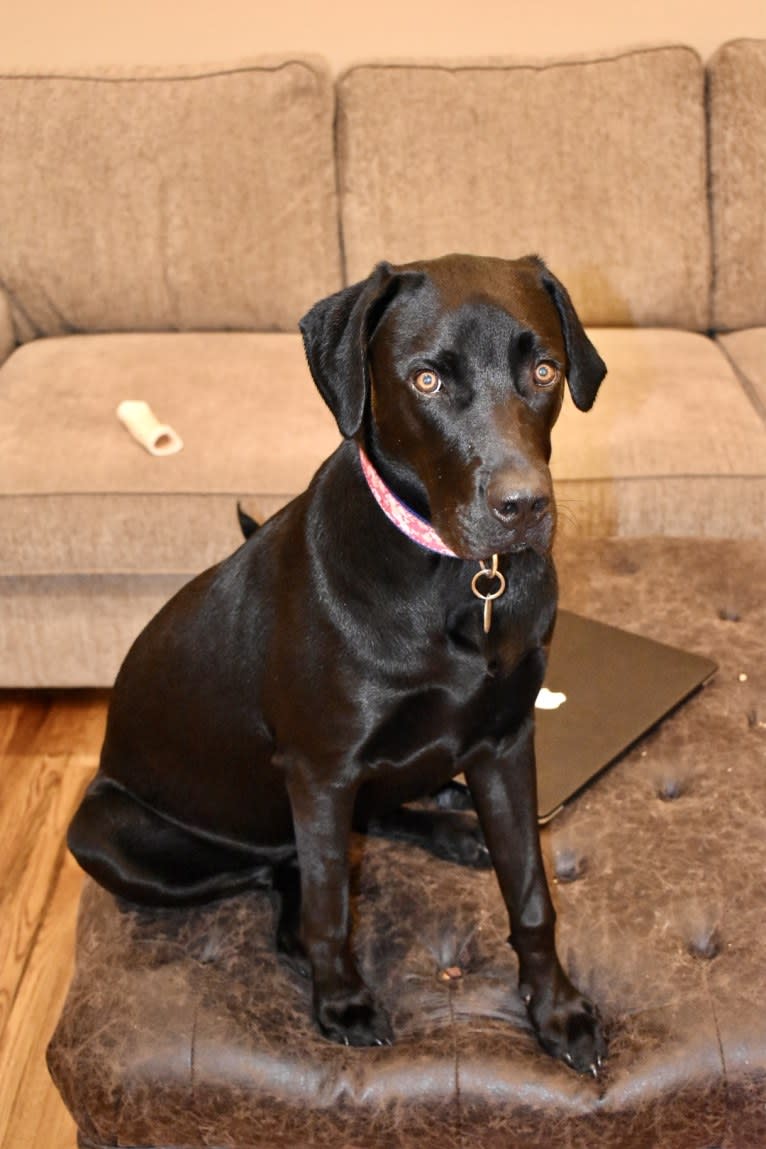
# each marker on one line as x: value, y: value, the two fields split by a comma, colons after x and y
x: 604, y: 689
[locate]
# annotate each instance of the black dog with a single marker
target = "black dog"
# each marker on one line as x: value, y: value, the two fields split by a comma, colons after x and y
x: 333, y: 669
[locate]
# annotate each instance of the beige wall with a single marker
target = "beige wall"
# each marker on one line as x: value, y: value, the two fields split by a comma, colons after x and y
x: 49, y: 33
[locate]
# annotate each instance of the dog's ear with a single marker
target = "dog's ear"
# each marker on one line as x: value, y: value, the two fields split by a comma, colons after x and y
x: 586, y: 367
x: 336, y: 332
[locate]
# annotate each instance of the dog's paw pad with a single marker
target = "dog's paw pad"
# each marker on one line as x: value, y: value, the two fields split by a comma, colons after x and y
x: 359, y: 1021
x: 584, y: 1043
x: 571, y: 1031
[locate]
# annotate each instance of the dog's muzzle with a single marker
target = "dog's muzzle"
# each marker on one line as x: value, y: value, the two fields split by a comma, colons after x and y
x: 523, y: 505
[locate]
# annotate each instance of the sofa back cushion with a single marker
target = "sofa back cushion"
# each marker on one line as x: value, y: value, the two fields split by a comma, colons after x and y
x: 599, y: 166
x: 738, y: 183
x: 174, y: 200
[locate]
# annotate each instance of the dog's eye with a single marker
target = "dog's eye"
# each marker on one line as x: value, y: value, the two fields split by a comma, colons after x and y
x: 427, y: 382
x: 546, y: 374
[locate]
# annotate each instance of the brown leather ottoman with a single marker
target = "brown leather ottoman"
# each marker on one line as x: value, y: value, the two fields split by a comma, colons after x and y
x: 181, y: 1029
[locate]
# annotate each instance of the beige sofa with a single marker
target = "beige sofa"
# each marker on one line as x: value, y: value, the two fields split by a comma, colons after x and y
x: 162, y: 232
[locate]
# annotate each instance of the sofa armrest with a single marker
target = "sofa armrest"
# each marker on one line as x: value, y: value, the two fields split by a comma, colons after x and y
x: 7, y: 331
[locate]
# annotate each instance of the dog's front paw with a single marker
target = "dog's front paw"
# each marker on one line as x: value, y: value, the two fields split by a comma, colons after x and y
x: 353, y: 1017
x: 568, y: 1027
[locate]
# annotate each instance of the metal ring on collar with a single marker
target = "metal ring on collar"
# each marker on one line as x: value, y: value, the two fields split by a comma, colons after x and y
x: 485, y: 573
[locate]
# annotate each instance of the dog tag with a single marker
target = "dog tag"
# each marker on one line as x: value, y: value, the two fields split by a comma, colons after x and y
x: 487, y: 614
x: 487, y: 596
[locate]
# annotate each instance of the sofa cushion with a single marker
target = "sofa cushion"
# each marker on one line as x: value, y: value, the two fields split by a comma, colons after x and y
x: 747, y: 351
x: 672, y: 445
x: 147, y: 200
x: 599, y: 166
x: 737, y: 85
x: 78, y: 495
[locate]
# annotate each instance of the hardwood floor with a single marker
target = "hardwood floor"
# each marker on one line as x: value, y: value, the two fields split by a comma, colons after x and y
x: 49, y: 745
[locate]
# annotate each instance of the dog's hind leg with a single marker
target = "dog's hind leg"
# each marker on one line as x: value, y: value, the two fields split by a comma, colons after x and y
x: 454, y: 835
x: 137, y: 854
x: 286, y: 883
x: 453, y: 795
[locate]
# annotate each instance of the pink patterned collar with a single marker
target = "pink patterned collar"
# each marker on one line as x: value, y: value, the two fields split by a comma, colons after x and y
x: 402, y: 516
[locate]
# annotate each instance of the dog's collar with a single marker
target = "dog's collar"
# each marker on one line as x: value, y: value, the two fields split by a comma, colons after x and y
x: 403, y: 517
x: 421, y: 532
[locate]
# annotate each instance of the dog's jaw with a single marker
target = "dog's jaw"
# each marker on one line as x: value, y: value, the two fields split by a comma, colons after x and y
x: 478, y: 541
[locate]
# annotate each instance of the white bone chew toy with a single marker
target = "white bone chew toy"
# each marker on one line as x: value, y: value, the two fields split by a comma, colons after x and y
x: 139, y: 419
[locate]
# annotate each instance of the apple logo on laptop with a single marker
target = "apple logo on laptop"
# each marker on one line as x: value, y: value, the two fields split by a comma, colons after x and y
x: 549, y: 699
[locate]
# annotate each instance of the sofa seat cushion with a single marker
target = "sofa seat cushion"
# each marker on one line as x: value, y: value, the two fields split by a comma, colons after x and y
x: 747, y: 352
x: 672, y: 445
x: 182, y: 1028
x: 79, y: 495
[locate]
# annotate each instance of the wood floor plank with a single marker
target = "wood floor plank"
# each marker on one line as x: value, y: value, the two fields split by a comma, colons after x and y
x: 21, y: 718
x: 49, y: 745
x: 32, y: 1115
x: 39, y: 796
x: 77, y: 726
x: 11, y: 710
x: 52, y: 722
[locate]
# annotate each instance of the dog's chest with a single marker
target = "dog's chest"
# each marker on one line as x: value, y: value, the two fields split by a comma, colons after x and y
x: 467, y: 691
x: 465, y: 701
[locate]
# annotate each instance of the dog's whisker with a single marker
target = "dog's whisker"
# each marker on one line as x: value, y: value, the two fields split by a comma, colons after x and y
x: 566, y: 511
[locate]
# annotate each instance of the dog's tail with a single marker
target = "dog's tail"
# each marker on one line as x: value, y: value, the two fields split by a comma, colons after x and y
x: 247, y: 524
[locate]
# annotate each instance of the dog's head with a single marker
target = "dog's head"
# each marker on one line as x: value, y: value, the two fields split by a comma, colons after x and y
x: 451, y: 374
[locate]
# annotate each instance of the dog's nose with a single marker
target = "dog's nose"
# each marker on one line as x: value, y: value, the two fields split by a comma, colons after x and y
x: 517, y: 504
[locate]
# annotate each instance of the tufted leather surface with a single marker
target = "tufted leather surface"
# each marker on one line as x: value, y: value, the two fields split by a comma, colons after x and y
x: 182, y: 1030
